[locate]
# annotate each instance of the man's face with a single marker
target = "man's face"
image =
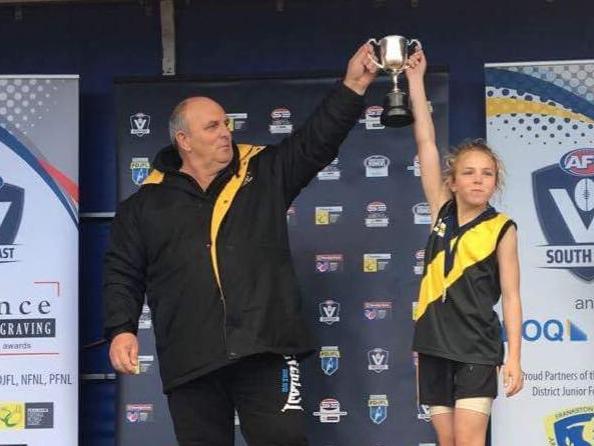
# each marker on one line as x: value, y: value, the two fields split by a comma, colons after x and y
x: 208, y: 138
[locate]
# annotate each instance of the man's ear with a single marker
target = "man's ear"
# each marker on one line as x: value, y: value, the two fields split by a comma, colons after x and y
x: 181, y: 140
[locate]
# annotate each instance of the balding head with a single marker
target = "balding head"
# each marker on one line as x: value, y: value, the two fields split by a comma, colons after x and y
x: 178, y: 121
x: 198, y: 129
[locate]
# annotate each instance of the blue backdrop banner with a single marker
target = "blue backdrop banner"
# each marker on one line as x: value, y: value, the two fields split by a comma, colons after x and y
x: 357, y: 236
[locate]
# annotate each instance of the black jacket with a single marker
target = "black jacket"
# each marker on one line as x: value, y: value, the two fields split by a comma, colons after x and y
x: 181, y: 246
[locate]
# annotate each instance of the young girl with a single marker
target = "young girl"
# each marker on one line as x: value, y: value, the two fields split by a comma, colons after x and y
x: 471, y: 260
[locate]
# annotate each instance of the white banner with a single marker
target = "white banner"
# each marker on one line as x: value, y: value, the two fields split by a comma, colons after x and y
x: 540, y: 119
x: 39, y: 260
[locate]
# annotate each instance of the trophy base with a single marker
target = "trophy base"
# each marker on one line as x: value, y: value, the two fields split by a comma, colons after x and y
x: 396, y: 112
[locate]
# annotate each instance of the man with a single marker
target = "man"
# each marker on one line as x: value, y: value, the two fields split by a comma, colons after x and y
x: 206, y: 239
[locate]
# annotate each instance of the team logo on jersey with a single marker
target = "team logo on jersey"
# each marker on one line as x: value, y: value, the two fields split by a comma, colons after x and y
x: 140, y: 169
x: 378, y: 408
x: 377, y: 215
x: 375, y: 311
x: 371, y: 118
x: 330, y: 172
x: 422, y: 214
x: 140, y: 124
x: 373, y: 263
x: 376, y: 166
x: 415, y: 167
x: 564, y: 200
x: 281, y: 121
x: 328, y: 215
x: 329, y: 359
x: 440, y: 228
x: 237, y: 122
x: 329, y: 263
x: 571, y: 427
x: 12, y: 203
x: 329, y: 312
x: 330, y: 411
x: 378, y: 360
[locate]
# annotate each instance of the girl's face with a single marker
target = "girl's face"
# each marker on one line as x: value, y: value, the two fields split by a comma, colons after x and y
x: 474, y: 178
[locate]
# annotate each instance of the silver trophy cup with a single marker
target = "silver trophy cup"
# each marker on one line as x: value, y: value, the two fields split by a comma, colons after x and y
x: 393, y: 52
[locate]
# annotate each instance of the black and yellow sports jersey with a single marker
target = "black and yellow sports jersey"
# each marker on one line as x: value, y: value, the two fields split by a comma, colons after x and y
x: 454, y: 315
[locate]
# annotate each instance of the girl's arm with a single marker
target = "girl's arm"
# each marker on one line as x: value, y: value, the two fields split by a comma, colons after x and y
x: 509, y: 278
x: 436, y: 192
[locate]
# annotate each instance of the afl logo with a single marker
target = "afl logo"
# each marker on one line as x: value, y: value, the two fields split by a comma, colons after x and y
x: 578, y: 162
x: 280, y: 113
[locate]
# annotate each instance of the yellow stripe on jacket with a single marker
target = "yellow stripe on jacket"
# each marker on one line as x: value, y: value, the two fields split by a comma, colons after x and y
x: 225, y: 199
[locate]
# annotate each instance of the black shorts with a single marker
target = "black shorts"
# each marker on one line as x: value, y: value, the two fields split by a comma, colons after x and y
x: 443, y: 381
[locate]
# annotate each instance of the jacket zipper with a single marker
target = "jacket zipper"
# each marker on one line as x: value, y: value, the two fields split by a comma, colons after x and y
x: 224, y: 302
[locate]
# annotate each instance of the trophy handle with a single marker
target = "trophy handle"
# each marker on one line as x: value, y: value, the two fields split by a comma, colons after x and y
x: 376, y: 43
x: 409, y: 44
x: 415, y: 42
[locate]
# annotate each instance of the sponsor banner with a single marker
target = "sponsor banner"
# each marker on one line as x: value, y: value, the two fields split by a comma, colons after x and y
x: 139, y: 169
x: 378, y: 408
x: 422, y: 213
x: 329, y: 359
x: 140, y: 124
x: 371, y: 118
x: 39, y: 260
x: 378, y: 310
x: 373, y: 263
x: 329, y: 263
x: 281, y: 121
x: 145, y: 322
x: 140, y: 413
x: 329, y: 312
x: 330, y: 172
x: 378, y: 360
x: 328, y: 215
x: 377, y: 166
x: 330, y: 411
x: 419, y: 265
x: 540, y: 119
x: 377, y: 215
x: 237, y: 122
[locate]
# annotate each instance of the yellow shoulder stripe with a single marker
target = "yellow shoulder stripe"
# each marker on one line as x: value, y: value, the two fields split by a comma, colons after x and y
x: 155, y: 177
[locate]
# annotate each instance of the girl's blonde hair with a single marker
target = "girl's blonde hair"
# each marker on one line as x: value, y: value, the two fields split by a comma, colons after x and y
x: 470, y: 145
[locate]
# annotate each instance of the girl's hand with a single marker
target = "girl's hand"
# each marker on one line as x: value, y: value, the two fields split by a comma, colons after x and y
x: 513, y: 377
x: 416, y: 66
